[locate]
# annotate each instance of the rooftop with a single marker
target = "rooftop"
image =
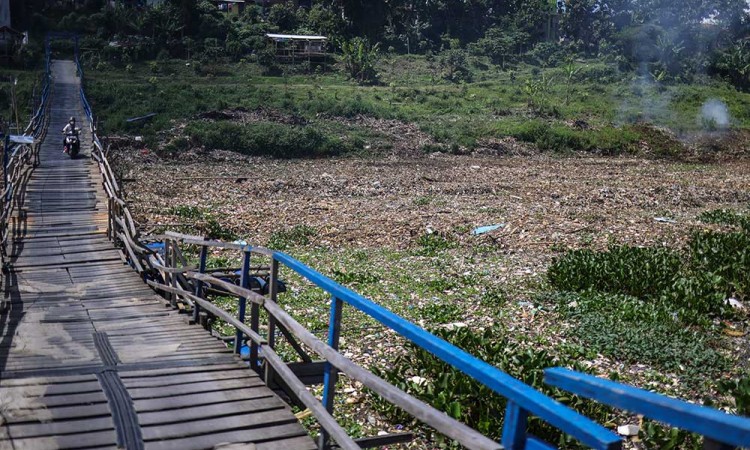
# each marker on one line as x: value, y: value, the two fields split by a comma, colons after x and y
x: 280, y: 37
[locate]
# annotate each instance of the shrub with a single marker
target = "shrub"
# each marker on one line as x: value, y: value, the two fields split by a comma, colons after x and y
x: 359, y: 58
x: 639, y: 272
x: 726, y: 256
x: 455, y: 65
x: 271, y: 139
x: 551, y: 137
x: 726, y: 217
x: 499, y: 45
x: 692, y: 284
x: 547, y: 54
x: 734, y: 63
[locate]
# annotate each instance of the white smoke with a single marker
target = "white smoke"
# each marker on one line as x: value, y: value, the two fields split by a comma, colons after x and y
x: 714, y: 115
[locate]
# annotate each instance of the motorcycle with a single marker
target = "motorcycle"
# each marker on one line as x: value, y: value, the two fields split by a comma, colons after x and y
x: 72, y: 143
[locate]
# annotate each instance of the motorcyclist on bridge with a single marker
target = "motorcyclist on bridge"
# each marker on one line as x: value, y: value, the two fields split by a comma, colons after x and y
x: 70, y: 128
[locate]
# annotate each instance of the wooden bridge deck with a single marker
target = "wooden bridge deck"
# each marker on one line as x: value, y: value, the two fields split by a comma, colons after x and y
x: 89, y: 356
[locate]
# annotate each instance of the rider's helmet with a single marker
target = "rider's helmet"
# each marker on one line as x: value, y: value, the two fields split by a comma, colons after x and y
x: 72, y: 120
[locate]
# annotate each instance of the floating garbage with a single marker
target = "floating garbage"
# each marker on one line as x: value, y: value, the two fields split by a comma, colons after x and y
x: 486, y: 229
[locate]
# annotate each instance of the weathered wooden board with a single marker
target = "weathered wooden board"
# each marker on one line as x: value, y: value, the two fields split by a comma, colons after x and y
x: 90, y: 357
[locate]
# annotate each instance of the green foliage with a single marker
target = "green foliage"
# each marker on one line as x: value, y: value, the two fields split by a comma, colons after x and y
x: 726, y: 217
x: 734, y: 63
x: 470, y: 402
x: 214, y: 229
x: 187, y: 211
x: 635, y: 271
x: 265, y: 138
x: 204, y: 222
x: 359, y: 58
x: 350, y: 278
x: 441, y: 312
x: 458, y: 118
x: 431, y: 244
x: 738, y: 390
x: 547, y: 54
x: 455, y: 65
x: 655, y: 304
x: 692, y: 285
x: 284, y: 16
x: 640, y: 331
x: 714, y: 266
x: 726, y: 256
x: 298, y: 235
x: 561, y: 138
x: 500, y: 45
x: 658, y: 436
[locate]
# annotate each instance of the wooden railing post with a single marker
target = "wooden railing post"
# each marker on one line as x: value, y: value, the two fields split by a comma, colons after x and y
x: 244, y: 282
x: 198, y: 283
x: 173, y: 277
x: 5, y: 160
x: 330, y: 374
x: 167, y: 275
x: 273, y: 293
x: 110, y: 221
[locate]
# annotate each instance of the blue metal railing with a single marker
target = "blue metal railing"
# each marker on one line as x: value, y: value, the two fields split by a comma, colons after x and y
x: 730, y: 430
x: 523, y: 400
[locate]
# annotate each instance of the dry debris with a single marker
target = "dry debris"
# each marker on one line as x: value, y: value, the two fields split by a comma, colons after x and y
x: 545, y: 204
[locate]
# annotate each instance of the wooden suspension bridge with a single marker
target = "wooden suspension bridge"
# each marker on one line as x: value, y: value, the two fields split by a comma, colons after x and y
x: 104, y: 339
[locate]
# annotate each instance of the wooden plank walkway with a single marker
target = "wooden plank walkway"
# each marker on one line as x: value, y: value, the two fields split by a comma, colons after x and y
x: 89, y: 356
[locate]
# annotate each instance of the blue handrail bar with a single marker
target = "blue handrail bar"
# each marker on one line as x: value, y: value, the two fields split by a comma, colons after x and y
x: 523, y: 399
x: 711, y: 423
x: 526, y: 397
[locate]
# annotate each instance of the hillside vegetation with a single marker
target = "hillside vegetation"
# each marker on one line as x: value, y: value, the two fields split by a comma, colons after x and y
x: 658, y: 78
x: 588, y: 105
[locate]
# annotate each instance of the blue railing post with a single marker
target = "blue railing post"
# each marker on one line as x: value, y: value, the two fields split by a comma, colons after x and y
x: 529, y: 399
x: 514, y: 427
x: 330, y: 374
x: 245, y: 283
x: 199, y: 283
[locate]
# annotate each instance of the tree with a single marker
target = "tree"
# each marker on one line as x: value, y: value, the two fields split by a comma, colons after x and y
x: 588, y: 23
x: 734, y: 63
x: 455, y: 64
x: 284, y: 16
x: 359, y: 58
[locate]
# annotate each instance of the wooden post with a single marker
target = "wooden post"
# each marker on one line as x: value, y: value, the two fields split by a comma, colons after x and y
x: 244, y: 282
x: 167, y: 275
x: 173, y: 263
x: 5, y: 159
x: 273, y: 293
x: 330, y: 374
x: 109, y: 219
x: 199, y: 284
